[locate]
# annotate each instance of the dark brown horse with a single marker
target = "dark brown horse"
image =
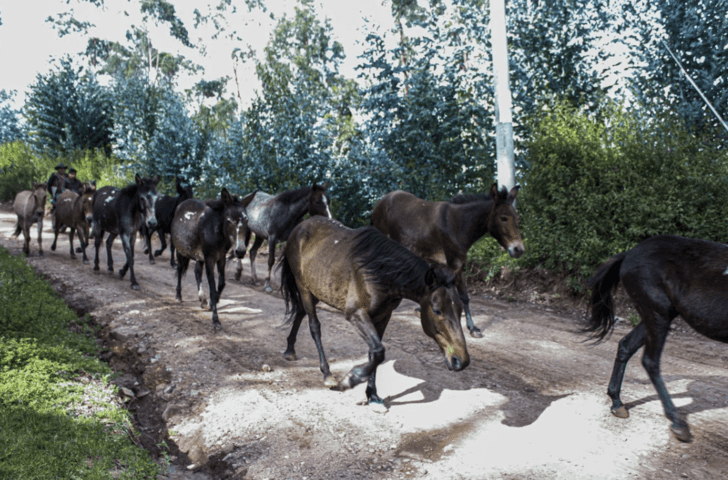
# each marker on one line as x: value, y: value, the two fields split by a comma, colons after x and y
x: 204, y: 232
x: 164, y: 211
x: 273, y: 217
x: 665, y: 276
x: 29, y: 206
x: 443, y: 232
x: 366, y: 275
x: 121, y: 213
x: 76, y: 212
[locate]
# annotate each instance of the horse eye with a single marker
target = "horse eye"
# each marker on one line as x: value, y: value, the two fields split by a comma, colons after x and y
x: 504, y: 219
x: 436, y: 311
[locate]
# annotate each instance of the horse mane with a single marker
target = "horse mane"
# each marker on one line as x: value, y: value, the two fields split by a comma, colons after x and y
x: 386, y: 261
x: 291, y: 196
x: 470, y: 198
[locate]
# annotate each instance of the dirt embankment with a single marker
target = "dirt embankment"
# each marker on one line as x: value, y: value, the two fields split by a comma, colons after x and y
x: 532, y: 403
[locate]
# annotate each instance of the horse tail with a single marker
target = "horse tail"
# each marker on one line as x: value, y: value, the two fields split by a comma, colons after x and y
x: 601, y: 321
x: 289, y: 289
x: 18, y: 229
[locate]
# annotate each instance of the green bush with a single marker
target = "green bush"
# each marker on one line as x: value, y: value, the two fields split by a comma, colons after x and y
x: 19, y: 168
x: 598, y: 186
x: 49, y: 376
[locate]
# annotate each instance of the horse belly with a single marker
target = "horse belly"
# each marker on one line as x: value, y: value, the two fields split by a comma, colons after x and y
x: 329, y: 275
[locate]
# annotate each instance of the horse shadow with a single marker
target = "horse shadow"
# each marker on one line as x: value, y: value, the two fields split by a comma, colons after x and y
x: 701, y: 390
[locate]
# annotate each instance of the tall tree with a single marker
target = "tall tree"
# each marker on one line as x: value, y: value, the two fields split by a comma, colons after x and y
x: 10, y: 126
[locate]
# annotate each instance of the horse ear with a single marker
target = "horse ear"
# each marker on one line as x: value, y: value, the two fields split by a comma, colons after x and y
x: 138, y: 179
x: 513, y: 193
x: 36, y: 185
x: 226, y: 198
x: 494, y: 193
x: 155, y: 179
x: 430, y: 277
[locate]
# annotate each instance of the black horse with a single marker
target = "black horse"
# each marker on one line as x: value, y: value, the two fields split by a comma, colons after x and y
x: 366, y: 275
x: 121, y: 213
x: 665, y: 276
x: 164, y: 211
x: 205, y: 231
x: 443, y: 232
x: 273, y: 217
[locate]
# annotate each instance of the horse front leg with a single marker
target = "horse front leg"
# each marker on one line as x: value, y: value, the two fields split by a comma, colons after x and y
x: 98, y: 238
x: 109, y: 258
x: 253, y: 252
x: 371, y: 390
x: 171, y: 254
x: 631, y: 342
x: 127, y: 241
x: 55, y: 238
x: 183, y: 263
x: 83, y: 240
x: 272, y: 240
x: 210, y: 270
x: 221, y: 276
x: 360, y: 318
x: 462, y: 289
x: 71, y: 233
x: 147, y: 234
x: 198, y: 279
x: 40, y: 237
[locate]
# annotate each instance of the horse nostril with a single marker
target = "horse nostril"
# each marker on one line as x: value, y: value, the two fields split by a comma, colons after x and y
x: 516, y: 251
x: 458, y: 364
x: 240, y: 253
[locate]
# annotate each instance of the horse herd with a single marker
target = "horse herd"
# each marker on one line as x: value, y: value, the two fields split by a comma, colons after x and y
x: 413, y: 249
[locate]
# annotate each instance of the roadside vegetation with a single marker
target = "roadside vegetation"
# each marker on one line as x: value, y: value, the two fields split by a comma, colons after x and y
x: 60, y: 417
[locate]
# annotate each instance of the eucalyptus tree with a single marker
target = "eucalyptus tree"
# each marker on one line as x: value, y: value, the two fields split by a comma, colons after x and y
x: 10, y: 126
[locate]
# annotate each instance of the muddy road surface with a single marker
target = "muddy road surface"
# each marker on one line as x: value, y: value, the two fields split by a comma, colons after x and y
x: 532, y: 403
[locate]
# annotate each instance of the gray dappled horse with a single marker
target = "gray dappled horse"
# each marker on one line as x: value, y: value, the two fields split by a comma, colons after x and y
x: 29, y: 206
x: 76, y: 212
x: 121, y: 212
x: 443, y: 232
x: 365, y: 275
x: 204, y: 232
x: 273, y: 217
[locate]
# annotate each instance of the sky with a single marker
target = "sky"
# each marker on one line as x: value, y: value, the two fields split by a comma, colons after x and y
x: 28, y: 42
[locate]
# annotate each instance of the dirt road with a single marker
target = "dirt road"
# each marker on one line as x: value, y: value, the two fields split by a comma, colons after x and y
x: 532, y: 403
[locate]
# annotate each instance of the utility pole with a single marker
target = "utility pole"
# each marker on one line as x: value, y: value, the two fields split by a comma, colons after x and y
x: 503, y: 115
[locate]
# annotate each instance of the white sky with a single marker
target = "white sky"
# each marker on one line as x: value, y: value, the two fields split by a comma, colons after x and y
x: 28, y: 42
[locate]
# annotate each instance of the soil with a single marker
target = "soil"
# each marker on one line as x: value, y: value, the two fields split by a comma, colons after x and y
x: 532, y: 403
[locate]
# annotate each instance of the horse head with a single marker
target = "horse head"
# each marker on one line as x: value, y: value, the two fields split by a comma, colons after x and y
x: 236, y: 221
x: 503, y: 221
x: 147, y: 195
x: 87, y: 201
x: 40, y: 196
x: 440, y: 312
x: 319, y: 202
x: 183, y: 192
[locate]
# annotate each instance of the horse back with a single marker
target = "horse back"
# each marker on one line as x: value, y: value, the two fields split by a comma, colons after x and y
x: 65, y: 205
x: 418, y: 225
x: 674, y: 275
x: 319, y: 253
x: 104, y: 212
x: 190, y: 229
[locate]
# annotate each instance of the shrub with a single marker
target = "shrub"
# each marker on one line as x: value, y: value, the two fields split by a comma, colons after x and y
x: 19, y: 168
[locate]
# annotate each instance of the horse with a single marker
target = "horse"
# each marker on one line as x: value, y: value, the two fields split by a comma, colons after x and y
x: 205, y: 231
x: 665, y: 276
x: 76, y: 212
x: 29, y: 206
x: 164, y: 211
x: 121, y: 213
x: 443, y: 232
x: 273, y: 217
x: 366, y: 275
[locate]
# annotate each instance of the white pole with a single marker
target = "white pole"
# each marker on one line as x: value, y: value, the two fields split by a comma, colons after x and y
x: 503, y: 116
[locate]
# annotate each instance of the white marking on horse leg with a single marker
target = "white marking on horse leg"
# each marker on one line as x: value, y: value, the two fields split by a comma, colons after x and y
x: 725, y: 272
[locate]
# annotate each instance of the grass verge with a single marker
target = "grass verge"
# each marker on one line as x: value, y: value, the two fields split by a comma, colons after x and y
x: 60, y: 417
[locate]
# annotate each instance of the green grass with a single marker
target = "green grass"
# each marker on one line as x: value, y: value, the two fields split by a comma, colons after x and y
x: 59, y: 415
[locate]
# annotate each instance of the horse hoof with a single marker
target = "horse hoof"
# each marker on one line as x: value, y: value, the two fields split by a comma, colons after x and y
x: 40, y: 254
x: 620, y: 412
x: 85, y: 262
x: 157, y: 253
x: 237, y: 277
x: 332, y: 382
x: 203, y: 303
x: 135, y: 287
x: 290, y: 356
x: 151, y: 261
x: 268, y: 289
x: 216, y: 327
x: 476, y: 333
x: 53, y: 247
x: 78, y: 250
x: 378, y: 406
x: 73, y: 257
x: 682, y: 433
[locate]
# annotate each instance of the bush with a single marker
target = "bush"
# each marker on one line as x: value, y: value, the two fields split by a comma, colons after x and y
x: 19, y: 168
x: 597, y: 187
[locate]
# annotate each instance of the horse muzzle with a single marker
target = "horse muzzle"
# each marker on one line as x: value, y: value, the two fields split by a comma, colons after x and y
x: 152, y: 222
x: 516, y: 250
x: 455, y: 363
x: 240, y: 253
x: 89, y: 219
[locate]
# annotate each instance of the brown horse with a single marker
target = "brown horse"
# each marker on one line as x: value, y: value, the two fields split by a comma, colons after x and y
x: 366, y: 275
x: 29, y: 206
x: 443, y: 232
x: 76, y: 212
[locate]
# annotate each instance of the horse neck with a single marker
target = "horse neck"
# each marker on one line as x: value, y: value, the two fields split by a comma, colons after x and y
x: 468, y: 222
x: 300, y: 207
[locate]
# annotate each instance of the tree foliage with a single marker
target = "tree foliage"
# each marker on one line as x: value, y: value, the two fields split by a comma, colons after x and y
x: 10, y: 126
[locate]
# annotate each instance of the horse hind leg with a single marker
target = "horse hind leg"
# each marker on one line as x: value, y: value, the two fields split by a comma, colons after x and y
x: 71, y: 233
x: 462, y: 289
x: 309, y: 306
x: 271, y: 261
x: 183, y: 263
x: 210, y: 270
x: 40, y: 236
x: 253, y: 252
x: 109, y: 258
x: 628, y: 346
x: 364, y: 372
x: 198, y: 279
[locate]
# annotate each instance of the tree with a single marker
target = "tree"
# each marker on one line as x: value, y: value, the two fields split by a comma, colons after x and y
x: 10, y: 127
x: 68, y: 110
